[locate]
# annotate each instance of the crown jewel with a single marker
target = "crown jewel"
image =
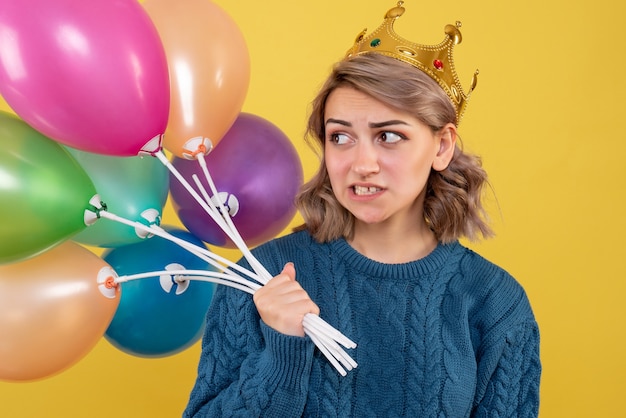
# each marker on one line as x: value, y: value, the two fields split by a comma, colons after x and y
x: 434, y: 60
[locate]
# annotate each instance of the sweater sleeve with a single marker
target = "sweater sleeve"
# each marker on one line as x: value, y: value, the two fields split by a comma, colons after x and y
x: 511, y: 388
x: 246, y: 368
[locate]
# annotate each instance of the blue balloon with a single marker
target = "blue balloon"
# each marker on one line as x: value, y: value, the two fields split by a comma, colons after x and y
x: 153, y: 319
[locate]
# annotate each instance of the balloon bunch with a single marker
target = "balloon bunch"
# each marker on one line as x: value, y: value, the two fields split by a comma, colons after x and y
x: 170, y: 74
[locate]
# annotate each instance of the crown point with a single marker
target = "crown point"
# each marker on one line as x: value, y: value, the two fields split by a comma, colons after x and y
x: 360, y: 36
x: 454, y: 33
x: 474, y: 81
x: 395, y: 12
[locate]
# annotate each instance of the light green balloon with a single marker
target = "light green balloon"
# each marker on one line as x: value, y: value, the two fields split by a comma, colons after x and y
x: 43, y: 191
x: 129, y: 186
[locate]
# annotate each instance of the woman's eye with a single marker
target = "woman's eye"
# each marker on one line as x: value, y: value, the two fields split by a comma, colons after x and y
x: 339, y: 138
x: 390, y: 137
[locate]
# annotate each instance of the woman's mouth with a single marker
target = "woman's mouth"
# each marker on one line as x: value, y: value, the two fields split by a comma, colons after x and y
x: 364, y: 191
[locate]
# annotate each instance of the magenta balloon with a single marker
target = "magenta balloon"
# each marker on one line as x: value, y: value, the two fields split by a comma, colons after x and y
x: 89, y: 74
x: 257, y: 164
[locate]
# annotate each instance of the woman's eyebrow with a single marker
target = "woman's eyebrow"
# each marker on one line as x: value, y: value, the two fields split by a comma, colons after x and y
x: 371, y: 124
x: 338, y: 121
x: 387, y: 123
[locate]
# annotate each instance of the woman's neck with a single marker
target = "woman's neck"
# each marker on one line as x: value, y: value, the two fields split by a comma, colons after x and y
x: 393, y: 244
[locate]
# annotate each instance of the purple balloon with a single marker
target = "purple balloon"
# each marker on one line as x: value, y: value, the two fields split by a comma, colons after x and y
x: 89, y: 74
x: 258, y: 169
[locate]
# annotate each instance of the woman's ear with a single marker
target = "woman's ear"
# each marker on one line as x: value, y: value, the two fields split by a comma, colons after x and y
x: 447, y: 143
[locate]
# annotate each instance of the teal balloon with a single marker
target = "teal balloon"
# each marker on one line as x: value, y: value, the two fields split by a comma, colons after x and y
x: 152, y: 321
x: 43, y: 191
x: 129, y: 186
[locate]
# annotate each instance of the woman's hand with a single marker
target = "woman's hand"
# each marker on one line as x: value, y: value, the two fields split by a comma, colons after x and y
x: 283, y: 303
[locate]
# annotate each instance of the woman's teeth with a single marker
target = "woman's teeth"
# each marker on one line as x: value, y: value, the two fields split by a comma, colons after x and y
x: 360, y: 190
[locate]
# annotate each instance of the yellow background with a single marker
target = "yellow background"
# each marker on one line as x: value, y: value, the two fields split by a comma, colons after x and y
x: 547, y: 118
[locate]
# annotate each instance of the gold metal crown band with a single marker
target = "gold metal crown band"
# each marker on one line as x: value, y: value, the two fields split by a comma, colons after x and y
x: 435, y: 60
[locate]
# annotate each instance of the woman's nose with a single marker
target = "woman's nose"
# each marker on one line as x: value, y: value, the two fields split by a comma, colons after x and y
x: 365, y: 159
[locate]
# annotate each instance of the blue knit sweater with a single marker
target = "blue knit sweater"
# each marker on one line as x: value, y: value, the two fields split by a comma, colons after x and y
x: 449, y: 335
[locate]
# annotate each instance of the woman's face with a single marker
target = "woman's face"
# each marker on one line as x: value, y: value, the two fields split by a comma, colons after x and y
x: 378, y: 158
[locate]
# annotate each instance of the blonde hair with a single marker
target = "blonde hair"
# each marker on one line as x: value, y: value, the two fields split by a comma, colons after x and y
x: 452, y: 205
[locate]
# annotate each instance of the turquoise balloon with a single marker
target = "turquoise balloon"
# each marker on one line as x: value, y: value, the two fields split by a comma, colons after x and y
x: 129, y: 186
x: 152, y: 321
x: 43, y: 191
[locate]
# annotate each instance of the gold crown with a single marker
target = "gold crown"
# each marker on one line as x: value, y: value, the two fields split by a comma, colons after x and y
x: 435, y: 60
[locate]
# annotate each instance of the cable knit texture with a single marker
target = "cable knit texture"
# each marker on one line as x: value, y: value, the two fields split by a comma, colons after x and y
x: 450, y: 335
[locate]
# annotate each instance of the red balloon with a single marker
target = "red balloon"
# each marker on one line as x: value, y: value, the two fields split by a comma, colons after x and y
x: 257, y: 171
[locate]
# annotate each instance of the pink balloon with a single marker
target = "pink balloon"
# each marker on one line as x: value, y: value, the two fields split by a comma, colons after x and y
x: 89, y: 74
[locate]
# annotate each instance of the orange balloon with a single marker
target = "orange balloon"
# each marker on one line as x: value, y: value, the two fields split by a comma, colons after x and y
x: 209, y: 67
x: 53, y: 311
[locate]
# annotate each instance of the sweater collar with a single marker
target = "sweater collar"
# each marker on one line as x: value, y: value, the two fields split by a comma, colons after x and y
x: 341, y: 250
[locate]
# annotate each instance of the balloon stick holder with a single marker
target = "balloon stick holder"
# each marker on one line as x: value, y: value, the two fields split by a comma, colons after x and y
x: 329, y: 340
x: 196, y: 145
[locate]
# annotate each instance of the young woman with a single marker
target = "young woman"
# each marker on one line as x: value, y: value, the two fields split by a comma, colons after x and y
x: 441, y: 331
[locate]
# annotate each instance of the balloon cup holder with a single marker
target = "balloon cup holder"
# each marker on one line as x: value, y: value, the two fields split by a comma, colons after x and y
x: 168, y: 281
x: 106, y: 282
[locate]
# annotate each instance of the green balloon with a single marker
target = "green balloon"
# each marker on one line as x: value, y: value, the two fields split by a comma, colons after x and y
x: 43, y: 191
